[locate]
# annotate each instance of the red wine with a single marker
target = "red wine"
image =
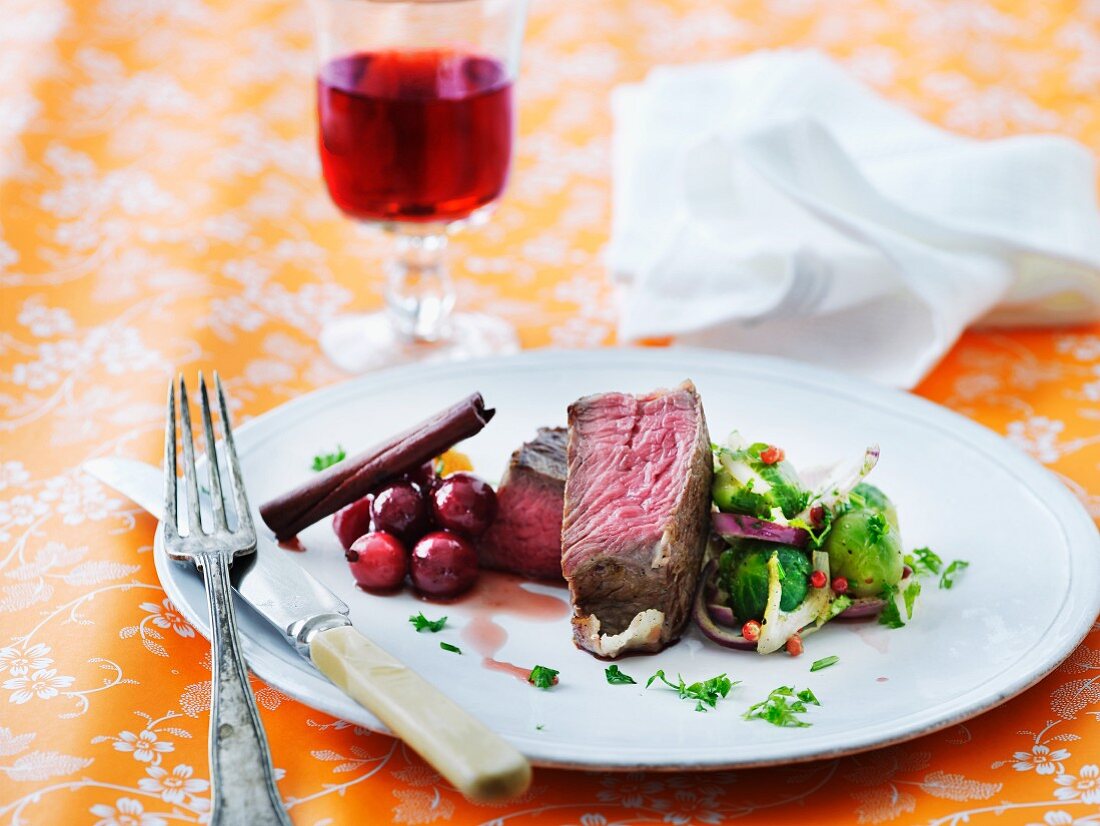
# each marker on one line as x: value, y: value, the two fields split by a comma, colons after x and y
x: 414, y: 136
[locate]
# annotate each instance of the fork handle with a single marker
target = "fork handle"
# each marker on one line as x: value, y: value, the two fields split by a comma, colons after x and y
x: 238, y: 747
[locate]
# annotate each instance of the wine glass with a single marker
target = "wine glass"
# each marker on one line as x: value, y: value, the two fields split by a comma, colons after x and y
x: 415, y: 109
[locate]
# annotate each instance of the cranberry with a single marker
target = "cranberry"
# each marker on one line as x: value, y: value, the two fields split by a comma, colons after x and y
x: 423, y: 477
x: 465, y: 504
x: 400, y: 509
x: 772, y: 455
x: 444, y: 564
x: 378, y: 561
x: 818, y: 579
x: 352, y: 522
x: 840, y: 585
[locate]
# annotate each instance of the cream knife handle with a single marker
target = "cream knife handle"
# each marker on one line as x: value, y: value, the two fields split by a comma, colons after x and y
x: 477, y: 762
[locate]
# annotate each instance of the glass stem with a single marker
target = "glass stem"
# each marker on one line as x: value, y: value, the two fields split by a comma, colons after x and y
x: 420, y: 296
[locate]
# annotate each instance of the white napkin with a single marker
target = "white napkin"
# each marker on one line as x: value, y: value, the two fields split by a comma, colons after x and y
x: 772, y: 204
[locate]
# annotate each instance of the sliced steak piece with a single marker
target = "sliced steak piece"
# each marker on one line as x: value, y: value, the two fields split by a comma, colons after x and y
x: 637, y: 502
x: 525, y: 538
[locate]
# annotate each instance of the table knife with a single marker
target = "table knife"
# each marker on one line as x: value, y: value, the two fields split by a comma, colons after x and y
x: 315, y: 621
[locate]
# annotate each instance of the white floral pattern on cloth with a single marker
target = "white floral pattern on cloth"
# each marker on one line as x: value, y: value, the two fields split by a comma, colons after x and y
x: 125, y: 812
x: 160, y: 209
x: 175, y: 786
x: 1041, y: 760
x: 1085, y: 786
x: 20, y: 662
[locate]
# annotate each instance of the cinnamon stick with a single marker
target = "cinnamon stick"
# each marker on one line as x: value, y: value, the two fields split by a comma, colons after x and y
x: 355, y: 477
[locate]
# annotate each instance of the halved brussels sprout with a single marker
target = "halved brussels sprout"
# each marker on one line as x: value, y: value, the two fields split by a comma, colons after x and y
x: 864, y: 546
x: 743, y: 483
x: 745, y: 577
x: 875, y: 499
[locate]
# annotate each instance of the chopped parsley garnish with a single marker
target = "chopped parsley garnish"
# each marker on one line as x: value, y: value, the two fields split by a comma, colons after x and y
x: 818, y: 534
x: 454, y: 649
x: 877, y: 527
x: 616, y: 677
x: 705, y: 693
x: 542, y: 677
x: 540, y: 726
x: 924, y: 561
x: 422, y: 623
x: 841, y: 603
x: 891, y: 614
x: 947, y: 580
x: 327, y: 460
x: 909, y: 596
x: 782, y: 707
x: 824, y: 662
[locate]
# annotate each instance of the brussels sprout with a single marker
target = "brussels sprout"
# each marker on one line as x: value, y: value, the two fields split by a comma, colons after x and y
x: 745, y: 484
x: 874, y: 499
x: 745, y: 575
x: 864, y: 547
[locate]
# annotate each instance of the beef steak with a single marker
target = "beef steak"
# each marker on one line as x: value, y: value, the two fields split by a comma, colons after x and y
x: 637, y: 499
x: 525, y: 538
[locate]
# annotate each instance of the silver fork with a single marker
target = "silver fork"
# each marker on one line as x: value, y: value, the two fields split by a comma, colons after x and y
x: 237, y: 741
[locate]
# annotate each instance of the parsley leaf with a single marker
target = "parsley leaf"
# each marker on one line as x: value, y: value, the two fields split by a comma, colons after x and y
x: 705, y: 693
x: 924, y: 561
x: 909, y: 595
x: 807, y: 696
x: 824, y: 662
x: 454, y: 649
x: 327, y: 460
x: 542, y: 677
x: 957, y: 566
x: 780, y: 709
x: 877, y: 527
x: 839, y: 604
x: 422, y: 623
x: 891, y: 614
x: 540, y: 726
x: 616, y: 677
x: 818, y: 534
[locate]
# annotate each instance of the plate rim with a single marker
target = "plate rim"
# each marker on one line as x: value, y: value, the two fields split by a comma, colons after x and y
x: 1053, y: 494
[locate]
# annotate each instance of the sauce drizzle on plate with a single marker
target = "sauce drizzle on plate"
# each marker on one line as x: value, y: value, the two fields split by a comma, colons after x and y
x: 502, y: 595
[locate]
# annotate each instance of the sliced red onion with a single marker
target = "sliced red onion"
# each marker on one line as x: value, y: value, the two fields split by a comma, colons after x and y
x: 721, y: 614
x: 739, y: 526
x: 711, y: 630
x: 867, y: 607
x: 863, y: 608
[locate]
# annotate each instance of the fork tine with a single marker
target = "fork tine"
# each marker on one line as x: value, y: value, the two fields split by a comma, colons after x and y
x: 216, y: 500
x: 190, y: 475
x: 244, y: 514
x: 170, y: 489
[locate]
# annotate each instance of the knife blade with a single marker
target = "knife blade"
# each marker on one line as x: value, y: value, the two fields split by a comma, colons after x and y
x: 282, y: 591
x: 315, y: 621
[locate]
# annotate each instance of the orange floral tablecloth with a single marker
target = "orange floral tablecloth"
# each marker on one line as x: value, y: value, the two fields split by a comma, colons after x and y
x: 160, y: 208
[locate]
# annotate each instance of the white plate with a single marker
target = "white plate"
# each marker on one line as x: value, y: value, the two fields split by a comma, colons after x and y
x: 1028, y: 598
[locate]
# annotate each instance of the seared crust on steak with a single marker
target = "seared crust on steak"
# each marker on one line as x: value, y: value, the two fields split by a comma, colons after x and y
x: 637, y: 499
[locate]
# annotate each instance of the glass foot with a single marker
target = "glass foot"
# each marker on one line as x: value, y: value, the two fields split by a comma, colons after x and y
x: 360, y: 343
